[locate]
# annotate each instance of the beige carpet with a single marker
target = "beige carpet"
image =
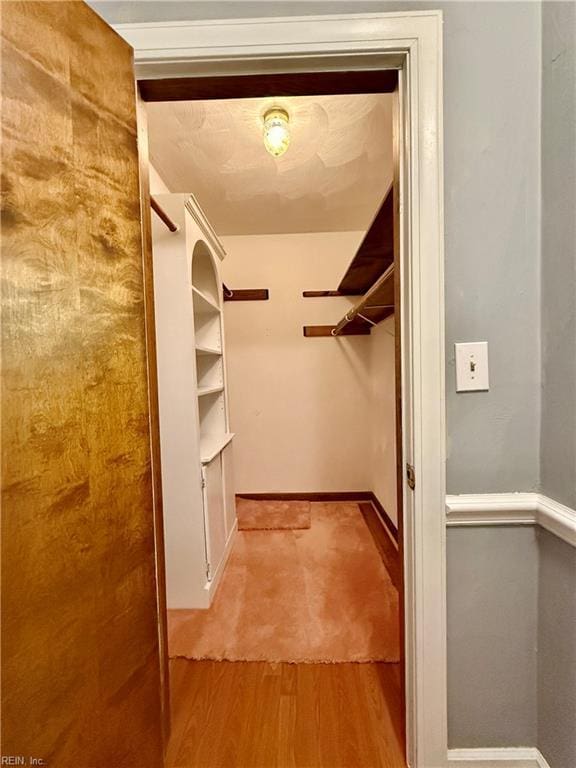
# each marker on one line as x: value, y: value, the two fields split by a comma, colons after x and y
x: 260, y: 515
x: 316, y: 595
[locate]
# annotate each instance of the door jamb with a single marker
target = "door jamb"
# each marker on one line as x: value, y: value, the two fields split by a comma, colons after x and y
x: 412, y: 43
x: 154, y: 415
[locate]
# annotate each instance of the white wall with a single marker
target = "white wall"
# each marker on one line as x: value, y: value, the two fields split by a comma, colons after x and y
x: 157, y: 183
x: 309, y: 414
x: 383, y: 416
x: 300, y: 407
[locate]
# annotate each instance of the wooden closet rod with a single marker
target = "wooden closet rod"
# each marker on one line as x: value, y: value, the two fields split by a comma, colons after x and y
x: 162, y: 215
x: 368, y: 301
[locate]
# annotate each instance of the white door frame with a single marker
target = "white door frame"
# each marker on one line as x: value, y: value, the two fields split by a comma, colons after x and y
x: 412, y: 43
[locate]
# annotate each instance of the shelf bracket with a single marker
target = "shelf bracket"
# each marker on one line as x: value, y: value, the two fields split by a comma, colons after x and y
x: 316, y: 331
x: 326, y: 294
x: 245, y: 294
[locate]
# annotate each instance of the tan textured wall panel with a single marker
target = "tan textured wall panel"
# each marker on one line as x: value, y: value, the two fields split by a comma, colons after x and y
x: 80, y: 672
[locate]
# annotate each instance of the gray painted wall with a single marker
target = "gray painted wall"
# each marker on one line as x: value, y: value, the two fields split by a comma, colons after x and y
x: 558, y: 434
x: 557, y: 573
x: 492, y: 577
x: 492, y: 203
x: 512, y: 641
x: 557, y: 651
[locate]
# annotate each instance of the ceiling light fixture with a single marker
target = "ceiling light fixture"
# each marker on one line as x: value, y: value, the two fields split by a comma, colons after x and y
x: 276, y: 132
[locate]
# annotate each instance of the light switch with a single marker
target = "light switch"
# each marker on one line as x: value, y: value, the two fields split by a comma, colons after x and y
x: 472, y: 366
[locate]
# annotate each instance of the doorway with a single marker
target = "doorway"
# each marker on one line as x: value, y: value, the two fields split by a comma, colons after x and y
x: 327, y: 590
x: 413, y: 42
x: 410, y: 42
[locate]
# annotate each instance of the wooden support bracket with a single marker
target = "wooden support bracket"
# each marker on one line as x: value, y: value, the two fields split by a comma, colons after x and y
x: 245, y: 294
x: 324, y: 294
x: 352, y: 329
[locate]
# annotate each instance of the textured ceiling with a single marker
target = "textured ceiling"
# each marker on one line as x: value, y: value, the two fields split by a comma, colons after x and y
x: 332, y: 178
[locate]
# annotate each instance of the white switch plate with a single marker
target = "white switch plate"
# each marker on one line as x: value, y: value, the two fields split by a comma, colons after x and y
x: 472, y: 366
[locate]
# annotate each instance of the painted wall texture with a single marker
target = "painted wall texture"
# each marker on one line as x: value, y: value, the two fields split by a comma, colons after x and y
x: 557, y: 568
x: 558, y: 435
x: 492, y: 578
x: 383, y: 416
x: 512, y: 640
x: 556, y: 666
x: 308, y: 414
x: 300, y: 408
x: 492, y: 203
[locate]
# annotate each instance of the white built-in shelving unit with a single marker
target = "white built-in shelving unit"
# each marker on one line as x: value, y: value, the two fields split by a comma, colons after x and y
x: 196, y: 442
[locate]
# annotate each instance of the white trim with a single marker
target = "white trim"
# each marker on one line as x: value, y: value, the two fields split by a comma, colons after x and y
x: 411, y: 42
x: 512, y: 509
x: 195, y: 210
x: 491, y: 509
x: 496, y: 755
x: 196, y: 48
x: 542, y: 762
x: 557, y: 519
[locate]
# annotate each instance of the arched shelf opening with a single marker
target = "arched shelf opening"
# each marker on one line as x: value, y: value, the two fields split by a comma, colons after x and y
x: 204, y: 274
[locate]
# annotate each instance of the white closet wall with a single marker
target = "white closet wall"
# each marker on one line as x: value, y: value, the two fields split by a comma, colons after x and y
x: 157, y: 183
x: 383, y: 416
x: 300, y: 407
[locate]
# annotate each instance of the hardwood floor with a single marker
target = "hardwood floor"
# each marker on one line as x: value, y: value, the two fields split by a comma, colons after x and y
x: 263, y: 715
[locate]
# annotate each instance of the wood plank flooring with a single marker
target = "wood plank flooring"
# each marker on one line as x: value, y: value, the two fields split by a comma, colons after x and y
x: 263, y: 715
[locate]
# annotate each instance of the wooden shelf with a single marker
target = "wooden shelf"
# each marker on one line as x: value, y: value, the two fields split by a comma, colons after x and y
x: 202, y: 391
x: 203, y: 350
x: 212, y: 445
x: 376, y: 304
x: 376, y: 251
x: 204, y: 304
x: 371, y: 272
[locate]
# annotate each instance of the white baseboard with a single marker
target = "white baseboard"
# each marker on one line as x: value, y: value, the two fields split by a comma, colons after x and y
x: 523, y: 756
x: 512, y: 509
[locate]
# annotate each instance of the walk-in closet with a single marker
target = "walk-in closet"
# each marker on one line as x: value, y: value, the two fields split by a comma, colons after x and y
x: 276, y: 312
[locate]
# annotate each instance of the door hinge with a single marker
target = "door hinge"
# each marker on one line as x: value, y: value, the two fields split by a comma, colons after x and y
x: 208, y: 572
x: 203, y: 481
x: 411, y: 475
